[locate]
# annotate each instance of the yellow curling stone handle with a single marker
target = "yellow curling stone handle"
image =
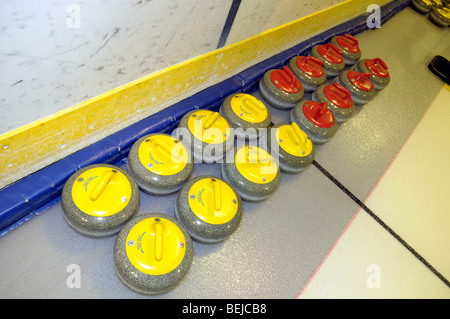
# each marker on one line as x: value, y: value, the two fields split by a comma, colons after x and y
x: 101, y: 185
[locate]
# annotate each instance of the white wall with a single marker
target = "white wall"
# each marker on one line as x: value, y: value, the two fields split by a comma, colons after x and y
x: 256, y: 16
x: 51, y: 57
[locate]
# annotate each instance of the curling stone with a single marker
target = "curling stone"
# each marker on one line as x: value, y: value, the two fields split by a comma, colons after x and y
x: 422, y: 6
x: 99, y: 199
x: 160, y: 164
x: 380, y: 75
x: 293, y: 148
x: 359, y: 85
x: 440, y: 16
x: 281, y: 89
x: 152, y: 253
x: 349, y: 46
x: 209, y: 208
x: 315, y: 119
x: 252, y: 172
x: 338, y: 99
x: 331, y: 56
x: 207, y: 134
x: 309, y: 71
x: 247, y: 115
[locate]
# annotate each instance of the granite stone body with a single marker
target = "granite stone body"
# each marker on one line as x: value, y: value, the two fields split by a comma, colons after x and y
x: 95, y: 226
x: 331, y: 69
x: 200, y: 230
x: 421, y: 6
x: 249, y: 191
x: 152, y: 183
x: 141, y: 282
x: 438, y: 17
x: 242, y: 128
x: 318, y: 135
x: 379, y: 82
x: 309, y: 83
x: 277, y: 97
x: 288, y: 163
x: 340, y: 114
x: 359, y: 97
x: 201, y: 151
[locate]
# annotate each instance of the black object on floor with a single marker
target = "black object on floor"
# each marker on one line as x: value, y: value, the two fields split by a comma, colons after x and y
x: 441, y: 67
